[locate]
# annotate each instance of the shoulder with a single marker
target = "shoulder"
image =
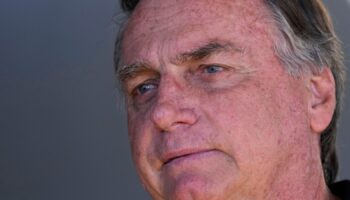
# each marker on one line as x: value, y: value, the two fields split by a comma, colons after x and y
x: 341, y: 189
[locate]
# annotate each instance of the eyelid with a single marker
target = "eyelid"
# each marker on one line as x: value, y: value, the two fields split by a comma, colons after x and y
x: 133, y: 91
x: 205, y: 66
x: 138, y: 79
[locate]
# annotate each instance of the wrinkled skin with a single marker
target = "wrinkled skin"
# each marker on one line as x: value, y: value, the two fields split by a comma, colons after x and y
x: 232, y: 124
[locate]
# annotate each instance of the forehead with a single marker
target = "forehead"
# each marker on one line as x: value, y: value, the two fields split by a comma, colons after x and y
x: 154, y: 12
x: 185, y: 23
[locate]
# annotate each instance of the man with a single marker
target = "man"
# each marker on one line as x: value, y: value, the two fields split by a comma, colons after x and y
x: 232, y: 99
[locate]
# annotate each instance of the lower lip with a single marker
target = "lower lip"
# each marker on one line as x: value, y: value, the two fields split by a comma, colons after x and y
x: 198, y: 156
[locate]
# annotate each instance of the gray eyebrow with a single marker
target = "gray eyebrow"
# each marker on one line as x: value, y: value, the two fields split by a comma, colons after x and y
x: 126, y: 72
x: 212, y: 47
x: 206, y: 50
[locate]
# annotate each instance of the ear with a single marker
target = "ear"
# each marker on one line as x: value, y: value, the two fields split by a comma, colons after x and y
x: 322, y: 101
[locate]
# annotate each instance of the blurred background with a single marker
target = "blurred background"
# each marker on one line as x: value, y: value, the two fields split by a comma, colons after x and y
x: 62, y: 124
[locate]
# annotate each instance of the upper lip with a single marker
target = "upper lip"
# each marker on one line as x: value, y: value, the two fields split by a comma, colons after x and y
x: 171, y: 155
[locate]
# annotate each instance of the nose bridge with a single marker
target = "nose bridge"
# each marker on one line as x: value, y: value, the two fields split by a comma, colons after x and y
x: 172, y: 107
x: 170, y: 89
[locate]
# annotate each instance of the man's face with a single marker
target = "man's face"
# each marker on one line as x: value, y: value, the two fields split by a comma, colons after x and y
x: 212, y: 113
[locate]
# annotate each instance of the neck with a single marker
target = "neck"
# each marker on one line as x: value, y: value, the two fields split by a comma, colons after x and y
x: 303, y: 181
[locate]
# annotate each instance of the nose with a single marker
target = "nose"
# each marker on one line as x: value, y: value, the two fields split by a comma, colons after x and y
x: 173, y: 108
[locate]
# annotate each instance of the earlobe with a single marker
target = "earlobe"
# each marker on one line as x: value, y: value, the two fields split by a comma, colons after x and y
x: 322, y: 101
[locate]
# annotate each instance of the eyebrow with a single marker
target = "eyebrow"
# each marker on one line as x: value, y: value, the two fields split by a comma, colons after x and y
x: 206, y: 50
x: 127, y: 72
x: 130, y: 71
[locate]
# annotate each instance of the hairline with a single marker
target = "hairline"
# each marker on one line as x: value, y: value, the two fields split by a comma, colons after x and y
x: 296, y: 63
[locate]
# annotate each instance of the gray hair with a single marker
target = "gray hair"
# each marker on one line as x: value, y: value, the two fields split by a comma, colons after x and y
x: 306, y: 41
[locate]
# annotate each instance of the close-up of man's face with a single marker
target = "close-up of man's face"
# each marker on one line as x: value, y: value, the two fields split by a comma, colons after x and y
x: 174, y: 100
x: 212, y: 111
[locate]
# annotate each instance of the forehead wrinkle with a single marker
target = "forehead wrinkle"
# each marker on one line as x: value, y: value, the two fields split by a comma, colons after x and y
x: 207, y: 49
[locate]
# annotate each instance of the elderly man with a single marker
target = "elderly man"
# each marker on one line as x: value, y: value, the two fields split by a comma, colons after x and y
x: 232, y: 99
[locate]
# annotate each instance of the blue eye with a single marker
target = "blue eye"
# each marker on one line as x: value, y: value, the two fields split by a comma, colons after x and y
x: 143, y: 88
x: 211, y: 69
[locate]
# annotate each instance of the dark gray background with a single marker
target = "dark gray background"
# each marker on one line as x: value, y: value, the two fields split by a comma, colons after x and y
x: 62, y: 126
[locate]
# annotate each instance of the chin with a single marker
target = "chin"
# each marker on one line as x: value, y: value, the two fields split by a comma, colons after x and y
x: 194, y: 187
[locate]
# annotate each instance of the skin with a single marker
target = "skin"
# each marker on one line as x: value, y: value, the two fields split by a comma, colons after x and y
x: 212, y: 113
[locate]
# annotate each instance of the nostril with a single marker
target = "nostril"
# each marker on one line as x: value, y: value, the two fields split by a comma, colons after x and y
x: 188, y: 116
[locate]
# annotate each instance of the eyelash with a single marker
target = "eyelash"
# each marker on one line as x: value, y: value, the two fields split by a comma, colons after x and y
x: 153, y: 84
x: 136, y: 91
x: 218, y: 68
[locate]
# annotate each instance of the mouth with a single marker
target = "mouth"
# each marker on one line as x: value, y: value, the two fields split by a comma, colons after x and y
x: 183, y: 155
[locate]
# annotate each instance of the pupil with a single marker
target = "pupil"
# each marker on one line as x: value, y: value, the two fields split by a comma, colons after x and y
x: 212, y: 69
x: 144, y: 88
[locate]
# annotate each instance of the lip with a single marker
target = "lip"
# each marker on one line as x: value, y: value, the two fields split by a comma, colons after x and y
x: 172, y: 156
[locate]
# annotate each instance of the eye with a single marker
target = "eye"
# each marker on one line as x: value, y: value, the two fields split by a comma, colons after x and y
x: 212, y: 69
x: 144, y: 88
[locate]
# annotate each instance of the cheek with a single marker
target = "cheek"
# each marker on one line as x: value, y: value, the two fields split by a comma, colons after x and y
x: 139, y: 135
x: 238, y: 118
x: 253, y: 121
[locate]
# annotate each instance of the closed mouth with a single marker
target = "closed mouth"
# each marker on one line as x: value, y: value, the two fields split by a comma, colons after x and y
x: 185, y: 155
